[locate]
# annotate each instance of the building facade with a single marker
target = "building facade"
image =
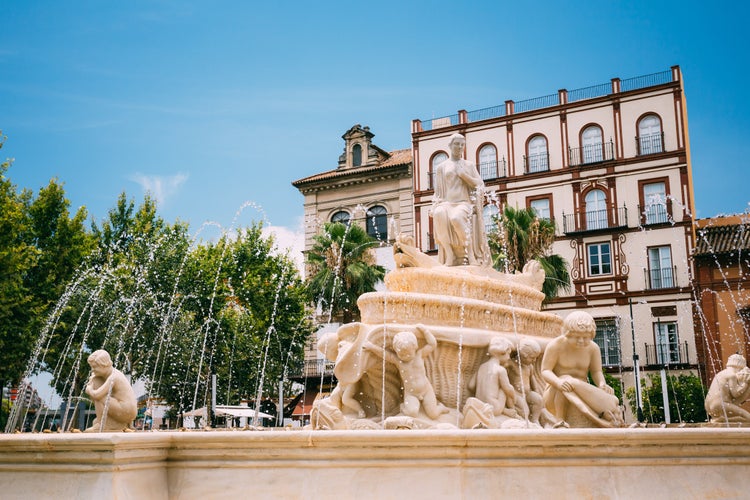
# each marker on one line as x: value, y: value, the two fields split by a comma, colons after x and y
x: 610, y: 164
x: 722, y: 291
x: 370, y: 187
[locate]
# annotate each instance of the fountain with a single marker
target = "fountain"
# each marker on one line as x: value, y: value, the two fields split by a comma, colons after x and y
x: 451, y: 352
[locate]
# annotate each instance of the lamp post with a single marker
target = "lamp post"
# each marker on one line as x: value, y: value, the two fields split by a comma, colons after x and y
x: 639, y: 408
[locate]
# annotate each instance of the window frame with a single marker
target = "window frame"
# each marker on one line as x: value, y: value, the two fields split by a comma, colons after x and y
x: 654, y: 146
x: 660, y: 270
x: 344, y: 212
x: 489, y: 226
x: 643, y: 216
x: 488, y: 167
x: 372, y: 222
x: 548, y: 198
x: 543, y: 158
x: 432, y: 166
x: 601, y: 221
x: 597, y: 152
x: 590, y: 266
x: 608, y: 339
x: 357, y: 149
x: 669, y: 350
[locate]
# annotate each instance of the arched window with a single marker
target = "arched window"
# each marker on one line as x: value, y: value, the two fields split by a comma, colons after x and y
x: 377, y: 223
x: 650, y: 137
x: 538, y: 158
x: 488, y: 162
x: 488, y: 216
x: 341, y: 216
x: 437, y: 159
x: 591, y: 142
x: 356, y: 155
x: 596, y: 209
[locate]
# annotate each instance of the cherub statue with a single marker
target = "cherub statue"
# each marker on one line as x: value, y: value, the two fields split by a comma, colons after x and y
x: 729, y: 389
x: 334, y: 345
x: 567, y: 362
x: 528, y: 383
x: 114, y: 400
x: 491, y: 381
x: 409, y: 358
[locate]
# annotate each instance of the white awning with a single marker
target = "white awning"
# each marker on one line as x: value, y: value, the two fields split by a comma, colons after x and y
x: 235, y: 411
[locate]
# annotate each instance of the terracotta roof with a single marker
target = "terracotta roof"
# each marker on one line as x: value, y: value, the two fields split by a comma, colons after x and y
x: 722, y: 239
x: 397, y: 158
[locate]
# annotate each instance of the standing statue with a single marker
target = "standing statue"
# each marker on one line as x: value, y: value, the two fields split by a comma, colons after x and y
x: 729, y: 389
x: 457, y: 210
x: 567, y: 362
x: 114, y: 399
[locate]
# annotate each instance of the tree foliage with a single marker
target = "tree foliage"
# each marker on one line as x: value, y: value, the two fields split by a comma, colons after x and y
x: 342, y: 268
x: 521, y: 236
x: 686, y: 398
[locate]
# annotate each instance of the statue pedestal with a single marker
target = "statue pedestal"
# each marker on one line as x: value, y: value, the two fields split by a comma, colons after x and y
x: 562, y: 463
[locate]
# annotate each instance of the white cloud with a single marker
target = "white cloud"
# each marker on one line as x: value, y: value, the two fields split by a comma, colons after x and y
x: 291, y: 241
x: 160, y: 187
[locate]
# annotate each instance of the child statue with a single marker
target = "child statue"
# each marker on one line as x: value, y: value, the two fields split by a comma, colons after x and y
x: 567, y: 362
x: 114, y: 399
x: 729, y: 389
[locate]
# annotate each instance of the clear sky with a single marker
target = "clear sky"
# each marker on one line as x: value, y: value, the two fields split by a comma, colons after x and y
x: 210, y: 105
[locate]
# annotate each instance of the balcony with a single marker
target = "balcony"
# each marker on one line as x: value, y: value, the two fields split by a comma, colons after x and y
x: 492, y: 169
x: 591, y: 153
x: 595, y: 220
x: 536, y: 163
x: 675, y: 353
x: 649, y: 144
x: 312, y: 368
x: 655, y: 213
x: 660, y: 278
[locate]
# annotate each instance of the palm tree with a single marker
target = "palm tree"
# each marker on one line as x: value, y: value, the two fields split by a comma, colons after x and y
x: 342, y: 266
x: 521, y: 236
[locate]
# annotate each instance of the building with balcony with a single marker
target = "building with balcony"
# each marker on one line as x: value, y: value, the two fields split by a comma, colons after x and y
x: 610, y: 164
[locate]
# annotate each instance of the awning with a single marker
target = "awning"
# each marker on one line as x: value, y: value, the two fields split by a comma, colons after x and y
x: 235, y: 411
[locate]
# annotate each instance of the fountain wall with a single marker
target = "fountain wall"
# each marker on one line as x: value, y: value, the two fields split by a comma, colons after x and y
x: 572, y: 463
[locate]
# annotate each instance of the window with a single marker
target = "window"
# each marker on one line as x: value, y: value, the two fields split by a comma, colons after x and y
x: 650, y: 136
x: 356, y: 155
x: 538, y: 159
x: 488, y: 162
x: 591, y: 142
x: 488, y: 215
x: 608, y: 339
x: 667, y: 342
x: 541, y: 208
x: 596, y: 210
x: 660, y: 268
x: 655, y: 203
x: 377, y: 223
x: 600, y: 259
x: 437, y: 159
x: 341, y: 216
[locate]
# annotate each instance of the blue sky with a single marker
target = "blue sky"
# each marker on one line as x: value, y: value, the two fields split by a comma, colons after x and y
x: 214, y: 106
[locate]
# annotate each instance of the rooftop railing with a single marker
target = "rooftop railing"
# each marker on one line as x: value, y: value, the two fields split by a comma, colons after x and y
x: 561, y: 97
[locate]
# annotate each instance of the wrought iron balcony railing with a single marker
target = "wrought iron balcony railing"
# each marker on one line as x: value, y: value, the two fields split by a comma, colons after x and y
x: 492, y: 169
x: 311, y: 368
x: 650, y: 144
x: 591, y: 153
x: 667, y: 353
x: 595, y: 220
x: 655, y: 213
x: 536, y: 163
x: 665, y: 277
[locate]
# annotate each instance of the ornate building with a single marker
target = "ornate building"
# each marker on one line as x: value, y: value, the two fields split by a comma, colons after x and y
x: 610, y: 164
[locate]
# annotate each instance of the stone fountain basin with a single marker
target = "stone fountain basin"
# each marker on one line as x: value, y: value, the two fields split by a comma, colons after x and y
x: 564, y: 463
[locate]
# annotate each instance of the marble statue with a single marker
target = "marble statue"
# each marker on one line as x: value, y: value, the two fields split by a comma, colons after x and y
x: 457, y: 210
x: 567, y: 362
x: 729, y: 389
x: 409, y: 359
x: 491, y: 381
x: 113, y: 397
x: 528, y: 383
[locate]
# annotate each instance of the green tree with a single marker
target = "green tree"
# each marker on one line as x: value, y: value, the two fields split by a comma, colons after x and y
x: 521, y: 236
x: 686, y: 397
x: 343, y: 267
